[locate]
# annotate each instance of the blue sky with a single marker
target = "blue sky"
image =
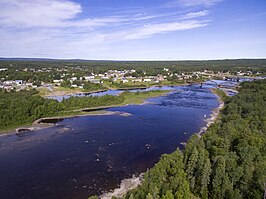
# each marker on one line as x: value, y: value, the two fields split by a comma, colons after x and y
x: 133, y: 29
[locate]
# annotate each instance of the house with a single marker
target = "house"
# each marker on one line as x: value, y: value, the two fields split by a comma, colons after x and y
x: 159, y: 78
x: 147, y: 80
x: 105, y: 77
x: 3, y: 69
x: 9, y: 82
x: 137, y: 80
x: 124, y: 80
x: 56, y: 81
x: 89, y: 77
x: 29, y: 84
x: 95, y: 81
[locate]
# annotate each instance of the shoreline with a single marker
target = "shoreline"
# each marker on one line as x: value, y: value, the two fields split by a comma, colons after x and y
x: 132, y: 183
x: 63, y: 93
x: 125, y: 186
x: 213, y: 116
x: 37, y: 124
x: 67, y: 93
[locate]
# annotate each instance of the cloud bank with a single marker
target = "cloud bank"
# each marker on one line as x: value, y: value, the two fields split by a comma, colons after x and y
x: 62, y: 27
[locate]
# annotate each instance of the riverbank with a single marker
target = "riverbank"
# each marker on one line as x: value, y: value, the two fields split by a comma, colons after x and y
x: 215, y: 113
x: 125, y: 186
x: 62, y: 91
x: 129, y: 98
x: 132, y: 183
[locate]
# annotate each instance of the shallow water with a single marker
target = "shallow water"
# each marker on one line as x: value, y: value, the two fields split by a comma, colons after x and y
x: 90, y: 155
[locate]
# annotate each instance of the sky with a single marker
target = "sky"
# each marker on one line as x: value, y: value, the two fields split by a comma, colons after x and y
x: 133, y: 29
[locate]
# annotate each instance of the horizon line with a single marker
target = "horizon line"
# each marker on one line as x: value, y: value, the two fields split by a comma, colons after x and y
x: 85, y: 59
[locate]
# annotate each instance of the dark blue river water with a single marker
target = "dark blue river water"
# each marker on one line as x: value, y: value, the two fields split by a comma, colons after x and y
x: 90, y: 155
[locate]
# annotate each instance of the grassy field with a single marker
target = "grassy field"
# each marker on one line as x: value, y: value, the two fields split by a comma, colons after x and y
x: 58, y: 91
x: 220, y: 93
x: 140, y: 97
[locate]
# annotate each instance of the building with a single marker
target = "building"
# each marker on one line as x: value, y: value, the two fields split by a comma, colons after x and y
x: 137, y: 80
x: 147, y: 80
x: 159, y: 78
x: 57, y: 80
x: 95, y: 81
x: 89, y: 77
x: 8, y: 82
x: 124, y: 80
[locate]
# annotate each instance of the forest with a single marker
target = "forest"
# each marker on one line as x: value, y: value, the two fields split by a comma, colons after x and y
x: 228, y: 161
x: 24, y: 107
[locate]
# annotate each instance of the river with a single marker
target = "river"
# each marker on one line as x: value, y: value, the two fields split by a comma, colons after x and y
x: 89, y: 155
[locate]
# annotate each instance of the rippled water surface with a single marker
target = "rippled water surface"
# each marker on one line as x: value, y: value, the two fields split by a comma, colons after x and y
x: 89, y: 155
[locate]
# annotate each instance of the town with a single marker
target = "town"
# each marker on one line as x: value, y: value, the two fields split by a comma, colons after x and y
x: 79, y: 79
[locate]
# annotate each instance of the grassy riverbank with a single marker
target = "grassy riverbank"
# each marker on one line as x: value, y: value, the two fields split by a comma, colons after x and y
x: 62, y: 91
x: 220, y: 93
x: 23, y: 107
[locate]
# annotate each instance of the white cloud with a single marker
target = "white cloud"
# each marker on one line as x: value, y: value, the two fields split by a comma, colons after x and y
x: 196, y: 14
x: 153, y: 29
x: 54, y: 14
x: 55, y: 27
x: 31, y: 13
x: 188, y: 3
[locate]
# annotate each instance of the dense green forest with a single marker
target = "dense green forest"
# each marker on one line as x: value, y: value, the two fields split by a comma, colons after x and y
x: 24, y: 107
x: 228, y: 64
x: 228, y: 161
x: 18, y: 108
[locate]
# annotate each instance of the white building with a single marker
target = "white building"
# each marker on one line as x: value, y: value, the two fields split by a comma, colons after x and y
x: 124, y: 80
x: 137, y: 80
x: 89, y: 77
x: 147, y: 80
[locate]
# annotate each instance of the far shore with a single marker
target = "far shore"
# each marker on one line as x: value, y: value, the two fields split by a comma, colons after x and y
x: 77, y: 92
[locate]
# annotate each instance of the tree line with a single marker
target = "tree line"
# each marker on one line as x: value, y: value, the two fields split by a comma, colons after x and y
x: 23, y: 107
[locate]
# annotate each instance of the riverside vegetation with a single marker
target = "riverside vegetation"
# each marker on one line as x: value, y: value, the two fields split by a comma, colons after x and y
x: 228, y: 161
x: 24, y: 107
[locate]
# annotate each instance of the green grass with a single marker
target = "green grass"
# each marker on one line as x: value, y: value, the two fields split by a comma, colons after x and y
x: 140, y: 97
x: 43, y: 91
x: 220, y: 93
x: 12, y: 128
